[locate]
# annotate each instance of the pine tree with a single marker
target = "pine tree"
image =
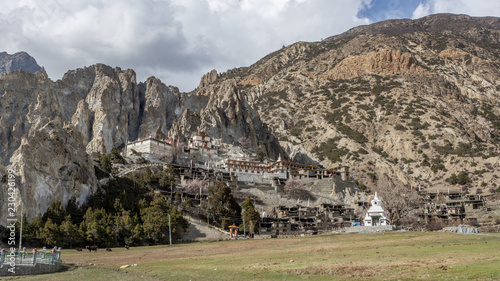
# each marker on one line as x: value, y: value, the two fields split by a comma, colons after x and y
x: 251, y: 217
x: 71, y: 233
x: 222, y: 206
x: 155, y: 219
x: 50, y: 234
x: 99, y: 227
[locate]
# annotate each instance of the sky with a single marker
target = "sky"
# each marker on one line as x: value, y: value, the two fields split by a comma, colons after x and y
x: 179, y: 41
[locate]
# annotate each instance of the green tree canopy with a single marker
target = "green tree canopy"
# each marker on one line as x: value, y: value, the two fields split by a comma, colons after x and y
x: 250, y: 216
x: 50, y: 234
x: 155, y: 220
x: 222, y: 206
x: 71, y: 234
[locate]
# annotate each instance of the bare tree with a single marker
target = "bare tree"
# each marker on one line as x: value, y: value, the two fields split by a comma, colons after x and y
x: 400, y: 203
x: 196, y: 185
x: 294, y: 188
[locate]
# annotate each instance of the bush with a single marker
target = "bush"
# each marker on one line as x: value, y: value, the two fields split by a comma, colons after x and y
x: 295, y: 132
x: 462, y: 178
x: 380, y: 151
x: 372, y: 176
x: 362, y: 151
x: 329, y: 149
x: 437, y: 167
x: 400, y: 127
x: 352, y: 134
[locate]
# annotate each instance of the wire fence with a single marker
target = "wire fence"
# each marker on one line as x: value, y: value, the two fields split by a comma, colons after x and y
x: 47, y: 256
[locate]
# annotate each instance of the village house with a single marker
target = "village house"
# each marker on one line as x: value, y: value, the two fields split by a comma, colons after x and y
x: 201, y: 141
x: 449, y: 207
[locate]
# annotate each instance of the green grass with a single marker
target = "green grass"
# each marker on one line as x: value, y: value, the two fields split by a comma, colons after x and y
x: 383, y: 256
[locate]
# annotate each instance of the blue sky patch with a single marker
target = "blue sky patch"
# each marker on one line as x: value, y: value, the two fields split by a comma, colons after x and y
x: 379, y: 10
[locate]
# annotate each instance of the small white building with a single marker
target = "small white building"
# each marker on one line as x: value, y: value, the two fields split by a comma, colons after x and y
x: 159, y: 148
x: 375, y: 215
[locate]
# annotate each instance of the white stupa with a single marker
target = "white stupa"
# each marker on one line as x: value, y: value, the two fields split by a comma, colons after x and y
x: 375, y: 215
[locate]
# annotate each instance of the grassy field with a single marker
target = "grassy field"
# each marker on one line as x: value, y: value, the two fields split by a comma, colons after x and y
x: 383, y: 256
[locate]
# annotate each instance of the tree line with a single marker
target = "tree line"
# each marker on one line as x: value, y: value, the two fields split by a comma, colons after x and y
x: 105, y: 226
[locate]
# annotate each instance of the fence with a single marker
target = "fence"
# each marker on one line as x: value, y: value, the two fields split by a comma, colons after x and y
x: 31, y: 257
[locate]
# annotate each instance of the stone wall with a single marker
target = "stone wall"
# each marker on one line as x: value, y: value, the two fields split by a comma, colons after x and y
x: 257, y: 178
x: 25, y: 269
x: 370, y: 229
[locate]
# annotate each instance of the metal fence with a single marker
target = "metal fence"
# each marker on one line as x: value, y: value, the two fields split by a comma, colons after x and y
x: 34, y: 256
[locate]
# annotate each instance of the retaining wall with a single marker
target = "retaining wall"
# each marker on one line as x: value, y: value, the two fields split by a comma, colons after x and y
x: 370, y: 229
x: 27, y: 269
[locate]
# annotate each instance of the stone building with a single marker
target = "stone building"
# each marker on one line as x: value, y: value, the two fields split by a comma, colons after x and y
x: 201, y: 141
x: 157, y: 147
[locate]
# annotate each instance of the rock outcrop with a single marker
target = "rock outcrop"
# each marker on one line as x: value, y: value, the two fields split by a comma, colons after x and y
x: 52, y: 165
x: 18, y: 61
x: 381, y: 62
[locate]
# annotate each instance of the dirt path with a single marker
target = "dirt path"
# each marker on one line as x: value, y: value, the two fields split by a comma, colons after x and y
x: 199, y: 231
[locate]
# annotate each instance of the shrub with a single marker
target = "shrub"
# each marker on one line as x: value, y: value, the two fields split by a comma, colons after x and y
x: 329, y: 149
x: 362, y: 151
x: 462, y: 178
x: 372, y: 176
x: 437, y: 167
x: 352, y: 134
x: 295, y: 131
x: 311, y: 129
x: 400, y: 127
x: 380, y: 151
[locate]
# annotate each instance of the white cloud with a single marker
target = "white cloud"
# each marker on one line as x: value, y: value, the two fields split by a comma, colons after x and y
x: 478, y: 8
x: 175, y: 40
x: 179, y: 40
x: 421, y: 11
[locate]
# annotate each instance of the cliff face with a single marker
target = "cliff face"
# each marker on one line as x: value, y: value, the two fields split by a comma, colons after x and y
x: 404, y: 101
x: 48, y: 130
x: 48, y: 158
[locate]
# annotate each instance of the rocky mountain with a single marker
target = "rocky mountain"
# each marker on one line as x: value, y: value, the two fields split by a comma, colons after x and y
x: 21, y: 60
x: 49, y: 130
x: 400, y: 102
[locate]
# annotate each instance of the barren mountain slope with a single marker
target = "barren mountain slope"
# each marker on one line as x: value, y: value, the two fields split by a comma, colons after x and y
x: 410, y: 101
